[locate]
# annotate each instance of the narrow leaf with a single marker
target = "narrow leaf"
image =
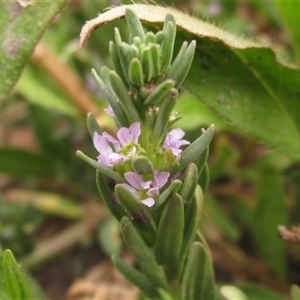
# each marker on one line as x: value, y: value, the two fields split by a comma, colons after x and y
x: 134, y: 24
x: 93, y: 125
x: 140, y: 214
x: 122, y: 94
x: 142, y: 254
x: 110, y: 96
x: 17, y: 284
x: 170, y: 232
x: 136, y: 277
x: 107, y: 196
x: 103, y: 169
x: 192, y: 219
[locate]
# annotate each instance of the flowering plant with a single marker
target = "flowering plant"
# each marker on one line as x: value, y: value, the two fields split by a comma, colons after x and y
x: 158, y: 176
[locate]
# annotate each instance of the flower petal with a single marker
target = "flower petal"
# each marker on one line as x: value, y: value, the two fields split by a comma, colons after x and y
x: 124, y: 136
x: 176, y: 134
x: 135, y: 130
x: 134, y: 179
x: 153, y: 192
x: 101, y: 144
x: 160, y: 178
x: 148, y: 202
x: 112, y: 140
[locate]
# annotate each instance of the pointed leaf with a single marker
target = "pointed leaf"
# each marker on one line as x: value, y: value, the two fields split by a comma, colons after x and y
x: 170, y: 232
x: 142, y: 254
x: 16, y: 281
x: 107, y: 196
x: 93, y: 125
x: 140, y: 214
x: 103, y: 169
x: 136, y: 277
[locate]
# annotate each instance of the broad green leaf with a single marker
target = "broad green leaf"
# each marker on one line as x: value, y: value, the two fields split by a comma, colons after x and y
x: 194, y: 114
x: 22, y: 26
x: 21, y: 163
x: 288, y: 12
x: 241, y: 80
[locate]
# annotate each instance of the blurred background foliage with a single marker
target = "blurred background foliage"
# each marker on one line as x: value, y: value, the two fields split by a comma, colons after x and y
x: 51, y: 216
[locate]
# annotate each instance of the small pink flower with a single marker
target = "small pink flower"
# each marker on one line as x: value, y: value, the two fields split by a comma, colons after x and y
x: 110, y: 149
x: 173, y: 141
x: 148, y: 190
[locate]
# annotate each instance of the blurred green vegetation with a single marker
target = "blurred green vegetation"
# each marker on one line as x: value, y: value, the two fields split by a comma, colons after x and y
x: 49, y: 203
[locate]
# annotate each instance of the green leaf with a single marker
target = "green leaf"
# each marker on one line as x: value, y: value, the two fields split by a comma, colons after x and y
x: 93, y: 125
x: 194, y: 150
x: 196, y: 282
x: 159, y: 92
x: 16, y: 282
x: 22, y: 27
x: 142, y: 254
x: 288, y: 12
x: 170, y: 232
x: 171, y: 189
x: 136, y: 277
x: 134, y: 24
x: 142, y: 165
x: 122, y: 94
x: 102, y: 168
x: 110, y: 96
x: 241, y: 80
x: 140, y: 214
x: 189, y: 183
x: 195, y: 114
x: 192, y: 219
x: 21, y: 163
x: 3, y: 290
x: 106, y: 194
x: 269, y: 213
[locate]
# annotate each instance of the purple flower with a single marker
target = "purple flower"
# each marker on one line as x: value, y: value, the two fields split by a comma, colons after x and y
x: 146, y: 190
x: 173, y: 141
x: 113, y: 151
